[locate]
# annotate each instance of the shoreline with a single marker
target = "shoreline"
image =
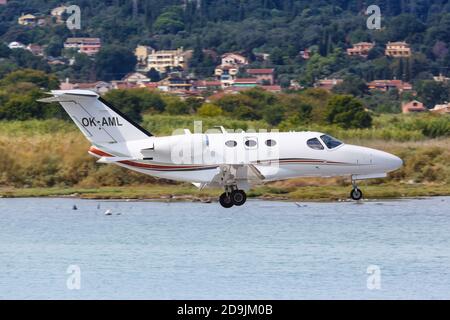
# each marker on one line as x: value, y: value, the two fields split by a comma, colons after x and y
x: 184, y: 193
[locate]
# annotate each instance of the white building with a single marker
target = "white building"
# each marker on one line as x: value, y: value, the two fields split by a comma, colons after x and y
x: 164, y: 59
x: 136, y: 77
x: 234, y: 59
x: 16, y: 45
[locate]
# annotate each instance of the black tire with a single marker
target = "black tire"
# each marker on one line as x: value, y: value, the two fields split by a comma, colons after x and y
x: 356, y: 194
x: 239, y: 197
x: 225, y: 201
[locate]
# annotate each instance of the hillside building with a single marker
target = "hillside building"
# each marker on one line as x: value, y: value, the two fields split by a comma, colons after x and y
x: 441, y: 108
x: 398, y: 50
x: 89, y: 46
x: 163, y: 60
x: 263, y: 76
x: 413, y: 106
x: 360, y: 49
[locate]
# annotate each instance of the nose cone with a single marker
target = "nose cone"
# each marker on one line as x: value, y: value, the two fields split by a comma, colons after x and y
x: 388, y: 162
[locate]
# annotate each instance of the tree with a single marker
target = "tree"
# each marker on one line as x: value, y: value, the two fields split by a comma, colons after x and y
x: 36, y: 77
x: 175, y: 106
x: 404, y: 26
x: 319, y: 66
x: 170, y: 21
x: 277, y: 57
x: 127, y: 101
x: 273, y: 115
x: 134, y: 102
x: 431, y: 92
x: 54, y: 49
x: 197, y: 55
x: 83, y: 68
x: 347, y: 112
x: 114, y: 62
x: 229, y: 103
x: 154, y: 75
x: 352, y: 85
x: 25, y: 59
x: 22, y: 106
x: 209, y: 110
x: 193, y: 103
x: 4, y: 51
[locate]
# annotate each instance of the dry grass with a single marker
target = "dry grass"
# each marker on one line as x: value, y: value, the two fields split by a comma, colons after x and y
x: 58, y: 159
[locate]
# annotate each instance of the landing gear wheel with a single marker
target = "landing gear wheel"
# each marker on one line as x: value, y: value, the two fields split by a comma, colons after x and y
x: 225, y: 200
x: 356, y: 194
x: 238, y: 197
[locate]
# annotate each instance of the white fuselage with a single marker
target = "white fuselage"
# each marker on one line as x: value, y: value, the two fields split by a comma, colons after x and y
x: 198, y: 158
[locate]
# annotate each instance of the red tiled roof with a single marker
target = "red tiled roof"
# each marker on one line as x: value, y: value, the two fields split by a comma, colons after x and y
x: 390, y: 83
x: 206, y: 83
x: 151, y: 85
x: 245, y: 80
x: 126, y: 85
x: 260, y: 71
x: 233, y: 89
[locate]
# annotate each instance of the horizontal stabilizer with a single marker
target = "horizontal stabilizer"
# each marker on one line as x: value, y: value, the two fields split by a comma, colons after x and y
x: 67, y: 95
x: 115, y: 159
x: 50, y: 100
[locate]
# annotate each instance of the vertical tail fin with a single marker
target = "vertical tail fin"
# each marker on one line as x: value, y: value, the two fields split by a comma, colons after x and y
x: 100, y: 122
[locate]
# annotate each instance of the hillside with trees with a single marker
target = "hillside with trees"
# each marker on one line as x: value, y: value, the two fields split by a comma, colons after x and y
x: 281, y: 28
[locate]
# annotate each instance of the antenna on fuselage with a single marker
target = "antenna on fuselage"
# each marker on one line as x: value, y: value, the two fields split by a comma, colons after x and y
x: 221, y: 128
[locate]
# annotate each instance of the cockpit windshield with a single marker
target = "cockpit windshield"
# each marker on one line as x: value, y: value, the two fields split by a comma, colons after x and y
x: 330, y: 142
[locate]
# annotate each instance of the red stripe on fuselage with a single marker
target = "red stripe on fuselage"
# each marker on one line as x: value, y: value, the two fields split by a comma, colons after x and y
x: 148, y: 166
x: 191, y: 167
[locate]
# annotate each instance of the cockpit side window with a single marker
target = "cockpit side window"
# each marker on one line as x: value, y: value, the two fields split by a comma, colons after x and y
x: 315, y: 144
x: 330, y: 142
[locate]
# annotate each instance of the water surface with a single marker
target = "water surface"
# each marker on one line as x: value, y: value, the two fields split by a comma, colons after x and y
x: 264, y: 250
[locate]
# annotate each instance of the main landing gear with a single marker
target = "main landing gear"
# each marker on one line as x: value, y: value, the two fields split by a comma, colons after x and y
x: 232, y: 197
x: 356, y: 193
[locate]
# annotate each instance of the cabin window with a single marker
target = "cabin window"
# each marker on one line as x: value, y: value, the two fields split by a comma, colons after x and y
x: 330, y: 142
x: 271, y: 143
x: 315, y: 144
x: 231, y: 143
x: 250, y: 143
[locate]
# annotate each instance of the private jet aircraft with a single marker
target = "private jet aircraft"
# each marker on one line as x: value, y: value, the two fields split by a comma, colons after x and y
x: 229, y: 160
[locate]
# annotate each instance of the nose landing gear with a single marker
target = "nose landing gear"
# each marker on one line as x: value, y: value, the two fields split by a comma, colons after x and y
x: 356, y: 194
x: 232, y: 197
